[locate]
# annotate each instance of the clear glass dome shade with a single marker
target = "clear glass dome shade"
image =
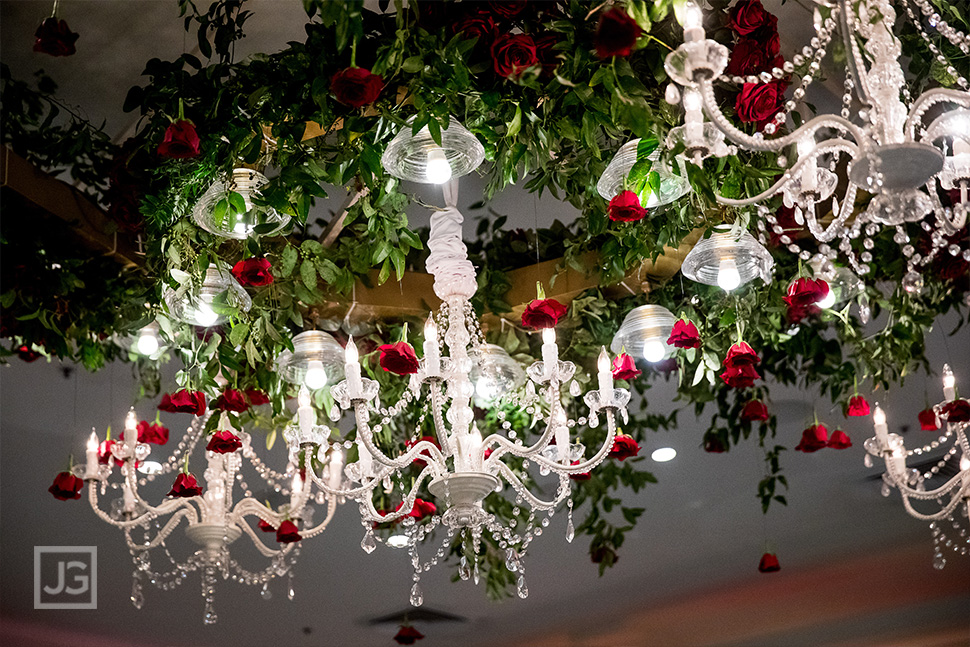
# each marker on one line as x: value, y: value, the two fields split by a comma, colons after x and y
x: 195, y: 306
x: 216, y: 213
x: 146, y: 342
x: 728, y: 260
x: 843, y: 283
x: 611, y: 183
x: 644, y: 333
x: 317, y: 359
x: 417, y: 158
x: 495, y: 374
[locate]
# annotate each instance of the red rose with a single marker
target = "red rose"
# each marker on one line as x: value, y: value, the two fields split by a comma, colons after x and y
x: 356, y: 86
x: 256, y: 397
x: 253, y: 272
x: 749, y: 56
x: 956, y: 411
x: 398, y: 358
x: 183, y: 401
x: 748, y: 16
x: 616, y: 33
x: 546, y: 53
x: 151, y: 432
x: 839, y: 440
x: 230, y: 400
x: 185, y: 487
x: 431, y: 439
x: 625, y: 207
x: 223, y: 442
x: 513, y: 54
x: 603, y: 555
x: 740, y: 377
x: 180, y: 141
x: 624, y: 368
x: 478, y: 26
x: 55, y: 38
x: 420, y: 509
x: 806, y: 292
x: 580, y: 476
x: 769, y: 563
x: 928, y: 420
x: 508, y: 8
x: 543, y: 313
x: 755, y: 410
x: 813, y: 439
x: 713, y: 444
x: 758, y: 102
x: 684, y: 335
x: 857, y: 406
x: 407, y: 635
x: 27, y: 354
x: 104, y: 452
x: 797, y: 313
x: 265, y: 526
x: 624, y: 447
x: 741, y: 354
x: 66, y: 486
x: 287, y: 533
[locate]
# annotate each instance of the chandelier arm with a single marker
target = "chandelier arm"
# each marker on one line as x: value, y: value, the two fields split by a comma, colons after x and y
x: 128, y: 470
x: 405, y: 459
x: 370, y: 513
x: 320, y: 527
x: 249, y: 506
x: 943, y: 513
x: 164, y: 509
x: 505, y: 446
x: 351, y: 493
x: 162, y: 535
x: 929, y: 98
x: 857, y: 67
x: 523, y: 491
x: 772, y: 145
x: 265, y: 550
x: 439, y: 424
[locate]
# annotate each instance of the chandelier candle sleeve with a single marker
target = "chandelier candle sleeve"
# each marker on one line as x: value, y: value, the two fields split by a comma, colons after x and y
x: 336, y: 468
x: 91, y: 455
x: 296, y: 489
x: 131, y: 433
x: 305, y: 412
x: 129, y: 498
x: 432, y: 354
x: 550, y: 351
x: 693, y: 28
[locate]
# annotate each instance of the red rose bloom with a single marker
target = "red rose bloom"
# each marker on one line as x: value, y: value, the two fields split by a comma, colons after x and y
x: 684, y: 335
x: 713, y: 444
x: 398, y: 358
x: 54, y: 37
x: 183, y: 401
x: 356, y: 87
x: 543, y: 313
x: 265, y: 526
x: 741, y: 354
x: 758, y: 102
x: 857, y: 406
x: 625, y: 207
x: 624, y: 447
x: 748, y: 16
x: 478, y: 26
x: 180, y: 141
x: 256, y: 397
x: 957, y: 411
x: 741, y: 377
x: 513, y: 54
x: 104, y: 453
x: 580, y: 476
x: 420, y: 509
x: 185, y: 487
x: 223, y: 442
x: 407, y: 635
x: 253, y: 272
x: 928, y: 420
x: 545, y: 52
x: 813, y: 439
x: 755, y: 410
x: 153, y: 433
x: 797, y: 313
x: 287, y: 533
x: 616, y: 33
x: 624, y: 368
x: 753, y: 56
x: 27, y: 354
x: 508, y: 8
x: 839, y: 440
x: 769, y: 563
x: 66, y: 486
x: 230, y: 400
x: 806, y: 292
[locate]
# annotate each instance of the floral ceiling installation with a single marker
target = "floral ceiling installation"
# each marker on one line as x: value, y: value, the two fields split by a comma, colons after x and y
x: 550, y: 92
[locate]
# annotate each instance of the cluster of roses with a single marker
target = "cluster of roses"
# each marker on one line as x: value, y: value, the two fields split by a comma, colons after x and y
x: 757, y: 50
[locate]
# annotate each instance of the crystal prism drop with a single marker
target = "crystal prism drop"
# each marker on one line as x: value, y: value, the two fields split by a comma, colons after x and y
x: 210, y: 617
x: 867, y: 460
x: 368, y: 543
x: 625, y: 416
x: 885, y: 489
x: 334, y: 413
x: 530, y: 391
x: 672, y: 94
x: 137, y: 597
x: 939, y: 562
x: 523, y: 589
x: 475, y: 575
x: 570, y: 531
x: 417, y: 597
x: 463, y: 571
x: 575, y: 389
x: 913, y: 282
x: 594, y: 420
x: 265, y: 593
x: 510, y: 560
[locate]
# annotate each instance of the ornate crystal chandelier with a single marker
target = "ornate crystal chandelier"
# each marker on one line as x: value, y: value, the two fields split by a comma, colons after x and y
x: 901, y: 151
x: 947, y: 505
x: 212, y: 519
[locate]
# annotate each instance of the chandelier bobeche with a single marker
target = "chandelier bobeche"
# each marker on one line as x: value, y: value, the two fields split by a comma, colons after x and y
x: 900, y: 150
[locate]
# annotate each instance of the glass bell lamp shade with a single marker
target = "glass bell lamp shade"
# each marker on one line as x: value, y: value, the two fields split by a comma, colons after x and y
x: 843, y: 283
x: 728, y: 260
x: 417, y: 158
x: 317, y: 359
x: 611, y: 183
x: 214, y: 211
x: 644, y: 333
x: 194, y: 306
x: 146, y: 342
x: 495, y: 374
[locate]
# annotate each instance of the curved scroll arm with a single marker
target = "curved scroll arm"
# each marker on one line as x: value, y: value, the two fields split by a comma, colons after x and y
x: 350, y: 493
x: 165, y: 508
x: 162, y: 535
x: 370, y: 513
x: 522, y: 491
x: 926, y: 101
x: 363, y: 428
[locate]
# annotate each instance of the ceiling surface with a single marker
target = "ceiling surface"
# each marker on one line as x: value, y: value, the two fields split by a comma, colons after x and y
x: 856, y: 570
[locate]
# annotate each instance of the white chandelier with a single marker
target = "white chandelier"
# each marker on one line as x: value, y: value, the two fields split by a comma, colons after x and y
x: 946, y: 506
x: 902, y: 151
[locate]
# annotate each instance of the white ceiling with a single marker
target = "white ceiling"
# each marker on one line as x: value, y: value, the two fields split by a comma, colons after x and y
x: 855, y: 569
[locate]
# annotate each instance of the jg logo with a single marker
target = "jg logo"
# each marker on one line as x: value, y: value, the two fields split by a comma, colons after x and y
x: 65, y: 577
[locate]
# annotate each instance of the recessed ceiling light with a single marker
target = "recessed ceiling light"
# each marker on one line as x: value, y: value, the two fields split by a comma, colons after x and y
x: 663, y: 454
x: 150, y: 467
x: 397, y: 541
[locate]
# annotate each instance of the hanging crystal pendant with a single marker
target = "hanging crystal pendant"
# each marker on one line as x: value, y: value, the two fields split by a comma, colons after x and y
x: 368, y: 543
x: 417, y: 596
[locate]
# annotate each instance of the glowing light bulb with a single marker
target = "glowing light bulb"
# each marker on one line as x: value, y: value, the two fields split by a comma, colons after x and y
x: 397, y: 541
x: 603, y: 362
x: 728, y: 277
x: 692, y: 16
x: 438, y: 170
x: 654, y: 350
x: 692, y: 100
x: 879, y: 416
x: 316, y: 376
x: 548, y: 335
x: 827, y: 301
x: 240, y: 227
x: 487, y: 389
x: 430, y: 329
x: 147, y: 343
x: 949, y: 380
x: 205, y: 315
x: 351, y: 356
x: 93, y: 442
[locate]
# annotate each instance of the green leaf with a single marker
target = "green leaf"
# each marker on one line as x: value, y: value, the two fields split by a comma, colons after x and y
x: 237, y: 202
x: 516, y: 125
x: 308, y: 274
x: 238, y: 334
x: 413, y: 64
x: 288, y: 261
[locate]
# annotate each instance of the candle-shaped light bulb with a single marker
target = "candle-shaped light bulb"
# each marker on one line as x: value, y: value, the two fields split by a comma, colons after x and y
x: 605, y: 376
x: 296, y: 488
x: 305, y: 414
x: 352, y: 368
x: 430, y: 330
x: 693, y: 118
x: 351, y: 356
x: 336, y: 468
x: 147, y: 342
x: 438, y: 170
x: 879, y: 416
x: 316, y: 375
x: 91, y: 456
x: 879, y: 422
x: 693, y: 28
x: 93, y: 441
x: 728, y: 277
x: 550, y: 351
x: 548, y: 335
x: 949, y: 383
x: 131, y: 431
x: 810, y: 170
